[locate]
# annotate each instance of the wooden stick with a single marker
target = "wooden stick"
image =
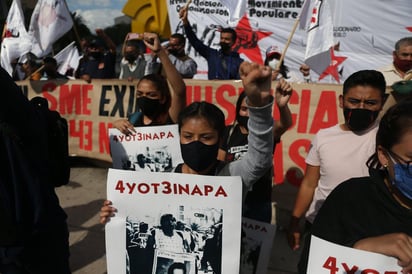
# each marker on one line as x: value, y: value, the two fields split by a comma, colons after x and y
x: 74, y: 28
x: 36, y: 71
x: 288, y: 43
x: 187, y: 4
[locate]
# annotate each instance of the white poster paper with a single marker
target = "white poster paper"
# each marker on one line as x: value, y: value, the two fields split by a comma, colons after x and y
x: 256, y: 246
x: 326, y: 257
x: 155, y: 149
x: 205, y: 213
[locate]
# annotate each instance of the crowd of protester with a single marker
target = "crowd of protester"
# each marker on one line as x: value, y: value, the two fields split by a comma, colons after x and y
x: 377, y: 148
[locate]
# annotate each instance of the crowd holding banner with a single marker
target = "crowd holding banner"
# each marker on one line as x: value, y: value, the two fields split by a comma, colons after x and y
x: 90, y: 109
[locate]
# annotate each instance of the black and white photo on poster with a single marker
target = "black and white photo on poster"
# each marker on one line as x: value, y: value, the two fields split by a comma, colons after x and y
x: 155, y: 149
x: 172, y: 219
x: 168, y: 262
x: 256, y: 246
x: 184, y: 233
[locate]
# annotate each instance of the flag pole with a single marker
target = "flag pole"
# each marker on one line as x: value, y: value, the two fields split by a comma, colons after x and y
x: 4, y: 31
x: 74, y: 28
x: 187, y: 4
x: 36, y: 71
x: 288, y: 43
x: 303, y: 12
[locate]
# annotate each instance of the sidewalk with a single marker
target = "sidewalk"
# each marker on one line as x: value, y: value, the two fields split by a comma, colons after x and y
x: 84, y: 195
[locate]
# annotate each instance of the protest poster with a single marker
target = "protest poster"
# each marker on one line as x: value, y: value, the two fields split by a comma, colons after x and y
x: 326, y: 257
x: 198, y: 216
x: 256, y: 246
x: 155, y: 149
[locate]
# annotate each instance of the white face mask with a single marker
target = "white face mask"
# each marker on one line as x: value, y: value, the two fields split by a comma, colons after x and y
x: 273, y: 63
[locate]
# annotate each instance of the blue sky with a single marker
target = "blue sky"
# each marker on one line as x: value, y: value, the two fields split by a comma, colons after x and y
x: 97, y: 13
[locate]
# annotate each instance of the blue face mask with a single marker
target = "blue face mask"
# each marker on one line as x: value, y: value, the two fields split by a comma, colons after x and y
x: 403, y: 179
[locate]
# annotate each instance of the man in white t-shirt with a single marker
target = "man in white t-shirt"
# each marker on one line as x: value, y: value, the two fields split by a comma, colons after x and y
x: 341, y: 151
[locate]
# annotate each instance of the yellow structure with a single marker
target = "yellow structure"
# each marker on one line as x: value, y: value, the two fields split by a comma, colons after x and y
x: 148, y: 16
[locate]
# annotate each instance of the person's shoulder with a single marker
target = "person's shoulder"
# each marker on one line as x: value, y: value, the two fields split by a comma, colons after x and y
x: 327, y: 131
x: 386, y: 68
x: 227, y: 131
x: 374, y: 129
x: 109, y: 53
x: 189, y: 59
x: 109, y: 56
x: 147, y: 56
x: 294, y: 77
x: 331, y: 135
x: 123, y: 61
x: 354, y: 186
x: 229, y: 127
x: 236, y: 55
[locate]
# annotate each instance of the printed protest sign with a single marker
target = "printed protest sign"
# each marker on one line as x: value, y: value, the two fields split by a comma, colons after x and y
x: 161, y: 216
x: 155, y: 149
x: 326, y: 257
x: 256, y: 246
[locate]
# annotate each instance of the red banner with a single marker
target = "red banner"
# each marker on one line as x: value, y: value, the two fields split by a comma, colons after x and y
x: 90, y: 109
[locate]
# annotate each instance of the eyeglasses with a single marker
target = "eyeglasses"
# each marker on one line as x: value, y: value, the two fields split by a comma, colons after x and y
x: 405, y: 164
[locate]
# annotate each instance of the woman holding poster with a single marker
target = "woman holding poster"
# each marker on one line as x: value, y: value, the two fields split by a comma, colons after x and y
x: 202, y: 126
x: 154, y: 98
x: 374, y: 213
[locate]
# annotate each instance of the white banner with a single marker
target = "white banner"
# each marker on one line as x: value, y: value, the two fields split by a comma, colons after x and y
x: 320, y: 36
x: 326, y: 257
x: 236, y: 8
x: 362, y: 35
x: 173, y: 213
x: 50, y: 20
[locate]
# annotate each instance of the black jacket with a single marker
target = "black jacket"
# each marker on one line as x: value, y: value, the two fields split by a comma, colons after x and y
x: 359, y: 208
x: 28, y: 203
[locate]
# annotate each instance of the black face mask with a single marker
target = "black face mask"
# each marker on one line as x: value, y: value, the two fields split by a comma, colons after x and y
x: 95, y: 54
x: 176, y: 52
x: 199, y: 156
x: 242, y: 120
x: 148, y: 106
x: 358, y: 119
x: 130, y: 57
x: 50, y: 72
x: 224, y: 46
